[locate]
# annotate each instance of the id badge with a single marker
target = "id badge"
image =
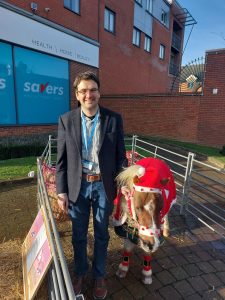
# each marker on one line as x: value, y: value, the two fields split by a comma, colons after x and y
x: 87, y: 164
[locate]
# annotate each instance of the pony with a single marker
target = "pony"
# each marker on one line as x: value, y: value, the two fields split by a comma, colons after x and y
x: 146, y: 192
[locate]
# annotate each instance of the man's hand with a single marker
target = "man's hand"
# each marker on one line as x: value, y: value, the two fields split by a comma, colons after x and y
x: 63, y: 202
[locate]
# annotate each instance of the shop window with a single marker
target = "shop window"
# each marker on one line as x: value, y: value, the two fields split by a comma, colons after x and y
x: 73, y: 5
x: 42, y: 87
x: 109, y: 20
x: 7, y: 94
x: 136, y: 37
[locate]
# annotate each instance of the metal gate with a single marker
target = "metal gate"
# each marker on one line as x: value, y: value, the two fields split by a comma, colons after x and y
x: 59, y: 280
x: 200, y: 186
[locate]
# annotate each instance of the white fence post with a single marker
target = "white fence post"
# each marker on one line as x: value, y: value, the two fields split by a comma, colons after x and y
x: 133, y: 148
x: 50, y: 150
x: 186, y: 186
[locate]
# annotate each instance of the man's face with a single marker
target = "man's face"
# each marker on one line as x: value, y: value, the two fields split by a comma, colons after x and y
x: 88, y: 95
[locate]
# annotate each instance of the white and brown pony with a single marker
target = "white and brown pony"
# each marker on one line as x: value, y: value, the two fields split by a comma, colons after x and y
x: 146, y: 194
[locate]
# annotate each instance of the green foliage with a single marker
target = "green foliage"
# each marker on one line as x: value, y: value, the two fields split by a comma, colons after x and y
x: 17, y: 151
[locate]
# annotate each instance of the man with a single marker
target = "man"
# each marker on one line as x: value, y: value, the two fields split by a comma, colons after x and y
x: 91, y: 152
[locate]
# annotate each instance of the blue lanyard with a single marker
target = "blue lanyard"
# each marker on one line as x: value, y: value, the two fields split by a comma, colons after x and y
x: 88, y: 140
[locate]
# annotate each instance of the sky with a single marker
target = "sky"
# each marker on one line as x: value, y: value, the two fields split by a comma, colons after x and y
x: 209, y: 32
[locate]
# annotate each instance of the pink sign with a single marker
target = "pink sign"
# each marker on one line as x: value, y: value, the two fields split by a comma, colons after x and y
x: 36, y: 254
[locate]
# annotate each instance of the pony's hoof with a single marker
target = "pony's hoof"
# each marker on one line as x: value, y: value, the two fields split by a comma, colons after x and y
x: 147, y: 279
x: 121, y: 273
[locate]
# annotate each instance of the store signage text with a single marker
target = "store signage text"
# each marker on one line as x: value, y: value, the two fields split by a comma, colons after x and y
x: 43, y: 87
x: 2, y: 83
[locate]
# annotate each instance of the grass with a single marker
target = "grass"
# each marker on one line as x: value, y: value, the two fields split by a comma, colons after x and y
x: 17, y: 167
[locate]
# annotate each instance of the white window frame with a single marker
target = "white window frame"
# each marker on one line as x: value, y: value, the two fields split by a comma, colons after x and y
x: 73, y: 5
x: 147, y: 44
x: 136, y: 37
x: 149, y: 6
x: 109, y: 20
x: 162, y: 50
x: 164, y: 17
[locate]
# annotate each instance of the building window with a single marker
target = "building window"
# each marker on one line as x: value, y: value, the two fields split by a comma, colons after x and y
x: 136, y: 37
x: 109, y: 20
x: 164, y: 17
x: 149, y: 6
x: 73, y: 5
x: 139, y: 2
x: 147, y: 45
x: 7, y: 93
x: 161, y: 51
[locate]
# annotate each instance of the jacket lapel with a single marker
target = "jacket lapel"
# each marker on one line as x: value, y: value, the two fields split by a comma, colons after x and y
x: 76, y: 129
x: 103, y: 126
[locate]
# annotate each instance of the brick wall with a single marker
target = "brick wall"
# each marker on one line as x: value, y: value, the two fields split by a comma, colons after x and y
x: 211, y: 125
x: 199, y: 119
x: 174, y: 117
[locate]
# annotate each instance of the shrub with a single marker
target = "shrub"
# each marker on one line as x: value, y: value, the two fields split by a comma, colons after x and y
x: 222, y: 151
x: 17, y: 151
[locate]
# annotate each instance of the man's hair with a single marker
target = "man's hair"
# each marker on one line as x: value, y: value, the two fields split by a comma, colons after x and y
x: 88, y: 75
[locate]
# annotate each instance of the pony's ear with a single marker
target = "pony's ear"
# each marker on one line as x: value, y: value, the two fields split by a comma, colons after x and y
x: 164, y: 181
x: 136, y: 179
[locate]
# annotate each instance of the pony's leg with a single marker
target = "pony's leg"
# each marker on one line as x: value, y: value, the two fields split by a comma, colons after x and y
x: 124, y: 265
x: 166, y: 226
x: 147, y: 270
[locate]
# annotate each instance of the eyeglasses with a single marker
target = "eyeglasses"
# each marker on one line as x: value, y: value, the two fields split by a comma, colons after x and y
x: 84, y: 91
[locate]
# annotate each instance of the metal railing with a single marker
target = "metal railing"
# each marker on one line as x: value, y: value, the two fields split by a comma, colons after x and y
x: 176, y: 41
x: 60, y: 284
x: 205, y: 197
x: 174, y: 69
x: 200, y: 186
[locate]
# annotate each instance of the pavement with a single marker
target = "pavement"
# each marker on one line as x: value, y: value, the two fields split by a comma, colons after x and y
x: 189, y: 265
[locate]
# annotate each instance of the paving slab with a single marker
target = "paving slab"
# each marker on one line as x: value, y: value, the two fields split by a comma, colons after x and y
x: 189, y: 265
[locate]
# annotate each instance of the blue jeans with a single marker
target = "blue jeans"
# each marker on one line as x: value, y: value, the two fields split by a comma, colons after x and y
x: 91, y: 195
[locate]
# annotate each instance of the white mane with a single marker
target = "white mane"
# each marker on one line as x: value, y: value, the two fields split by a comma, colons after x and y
x: 125, y: 178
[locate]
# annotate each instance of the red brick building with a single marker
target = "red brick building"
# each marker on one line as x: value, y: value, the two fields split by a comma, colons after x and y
x: 134, y: 46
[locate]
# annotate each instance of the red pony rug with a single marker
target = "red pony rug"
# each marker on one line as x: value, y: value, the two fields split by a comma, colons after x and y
x: 146, y: 193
